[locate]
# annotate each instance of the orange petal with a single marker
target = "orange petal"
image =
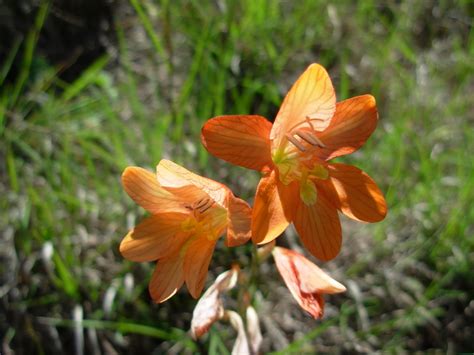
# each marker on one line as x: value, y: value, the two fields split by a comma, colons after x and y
x: 273, y: 209
x: 242, y: 140
x: 355, y: 193
x: 353, y: 123
x: 196, y: 263
x: 171, y: 176
x: 312, y: 96
x: 143, y: 187
x: 239, y: 219
x: 319, y: 227
x: 167, y: 278
x: 305, y: 280
x: 155, y: 237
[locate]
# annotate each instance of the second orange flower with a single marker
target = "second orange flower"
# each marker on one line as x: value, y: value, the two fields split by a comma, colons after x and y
x: 188, y: 215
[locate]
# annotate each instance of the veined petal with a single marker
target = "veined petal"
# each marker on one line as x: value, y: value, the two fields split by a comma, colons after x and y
x: 310, y: 103
x: 143, y: 187
x: 319, y: 227
x: 355, y: 193
x: 187, y: 193
x: 239, y: 219
x: 167, y: 278
x: 155, y: 237
x: 171, y: 175
x: 242, y: 140
x: 305, y: 280
x: 273, y: 209
x: 196, y: 263
x: 354, y: 121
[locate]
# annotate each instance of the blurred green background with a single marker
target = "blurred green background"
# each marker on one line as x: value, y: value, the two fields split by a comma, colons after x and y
x: 90, y: 87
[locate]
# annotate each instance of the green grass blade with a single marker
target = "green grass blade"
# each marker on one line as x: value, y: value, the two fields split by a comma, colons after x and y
x: 9, y: 60
x: 88, y: 77
x: 30, y: 45
x: 124, y: 327
x: 147, y: 25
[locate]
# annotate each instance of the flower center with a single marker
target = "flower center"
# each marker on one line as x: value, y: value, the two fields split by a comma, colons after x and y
x: 292, y: 165
x: 202, y: 205
x: 297, y: 161
x: 307, y: 139
x: 206, y: 218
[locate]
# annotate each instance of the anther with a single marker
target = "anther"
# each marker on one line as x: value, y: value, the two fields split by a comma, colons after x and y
x: 204, y: 205
x: 201, y: 202
x: 295, y: 142
x: 307, y: 137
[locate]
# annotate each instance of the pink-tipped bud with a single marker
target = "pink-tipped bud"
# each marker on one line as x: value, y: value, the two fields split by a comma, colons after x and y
x: 306, y: 281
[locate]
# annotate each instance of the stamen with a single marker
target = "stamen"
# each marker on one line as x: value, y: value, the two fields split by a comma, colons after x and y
x: 309, y: 118
x: 201, y: 202
x: 203, y: 207
x: 200, y: 206
x: 313, y: 140
x: 295, y: 142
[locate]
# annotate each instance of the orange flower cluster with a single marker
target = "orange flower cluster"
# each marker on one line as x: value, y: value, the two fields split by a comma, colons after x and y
x: 299, y: 185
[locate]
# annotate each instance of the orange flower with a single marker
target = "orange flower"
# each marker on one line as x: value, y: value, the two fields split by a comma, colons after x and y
x: 188, y: 215
x: 306, y: 282
x: 299, y: 184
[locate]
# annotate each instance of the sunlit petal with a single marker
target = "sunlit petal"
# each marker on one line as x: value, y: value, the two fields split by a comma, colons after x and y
x: 242, y: 140
x: 311, y: 102
x: 355, y: 193
x: 143, y: 187
x: 354, y: 121
x: 172, y: 175
x: 155, y: 237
